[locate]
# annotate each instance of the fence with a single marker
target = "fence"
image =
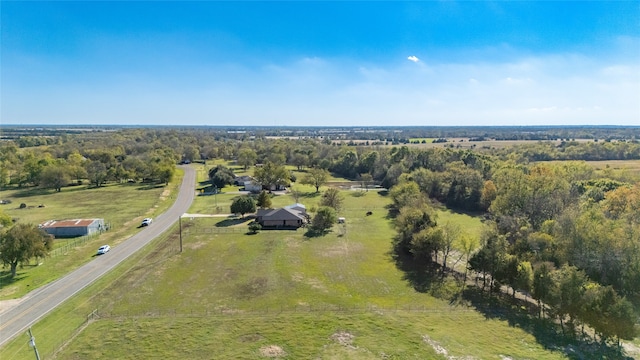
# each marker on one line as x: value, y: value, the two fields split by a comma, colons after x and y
x: 214, y: 230
x: 71, y: 243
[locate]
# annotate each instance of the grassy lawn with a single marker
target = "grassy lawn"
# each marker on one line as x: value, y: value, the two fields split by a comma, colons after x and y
x: 121, y: 205
x: 237, y: 296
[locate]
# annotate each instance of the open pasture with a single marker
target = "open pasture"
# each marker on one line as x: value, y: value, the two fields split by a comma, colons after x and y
x: 122, y: 206
x: 631, y: 166
x: 280, y: 294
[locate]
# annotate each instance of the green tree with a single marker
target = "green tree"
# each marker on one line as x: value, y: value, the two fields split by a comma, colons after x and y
x: 491, y: 257
x: 450, y: 235
x: 426, y: 243
x: 221, y: 176
x: 272, y: 175
x: 190, y: 153
x: 166, y: 173
x: 332, y: 198
x: 247, y: 157
x: 569, y: 292
x: 243, y: 205
x: 300, y: 160
x: 609, y: 314
x: 366, y: 180
x: 5, y: 220
x: 366, y: 163
x: 96, y: 172
x: 254, y: 227
x: 33, y: 164
x: 543, y: 284
x: 55, y: 177
x: 324, y: 219
x: 315, y: 177
x: 489, y: 193
x: 409, y: 222
x: 264, y: 200
x: 392, y: 175
x: 346, y: 163
x: 406, y: 194
x: 508, y: 271
x: 295, y: 194
x: 524, y: 280
x: 21, y: 243
x: 467, y: 245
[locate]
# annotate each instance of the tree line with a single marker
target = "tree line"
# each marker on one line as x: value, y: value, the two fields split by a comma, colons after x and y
x: 553, y: 231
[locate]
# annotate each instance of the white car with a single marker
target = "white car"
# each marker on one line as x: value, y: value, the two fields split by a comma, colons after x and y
x: 146, y: 222
x: 104, y: 249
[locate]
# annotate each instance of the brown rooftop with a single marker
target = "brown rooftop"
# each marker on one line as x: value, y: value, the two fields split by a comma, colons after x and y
x: 67, y: 223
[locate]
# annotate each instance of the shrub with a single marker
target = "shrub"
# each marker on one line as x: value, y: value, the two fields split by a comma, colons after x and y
x: 254, y: 227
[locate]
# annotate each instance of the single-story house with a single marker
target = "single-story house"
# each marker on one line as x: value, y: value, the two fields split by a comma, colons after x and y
x: 242, y: 180
x: 282, y: 218
x: 253, y: 186
x: 71, y: 228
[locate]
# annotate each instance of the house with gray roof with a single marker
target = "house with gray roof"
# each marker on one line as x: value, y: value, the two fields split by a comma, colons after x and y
x: 282, y: 218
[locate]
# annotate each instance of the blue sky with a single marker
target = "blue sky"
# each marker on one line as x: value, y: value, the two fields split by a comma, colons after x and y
x: 320, y: 63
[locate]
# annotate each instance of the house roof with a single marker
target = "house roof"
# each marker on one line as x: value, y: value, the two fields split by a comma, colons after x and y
x: 296, y: 205
x: 280, y: 214
x: 68, y: 223
x: 244, y: 177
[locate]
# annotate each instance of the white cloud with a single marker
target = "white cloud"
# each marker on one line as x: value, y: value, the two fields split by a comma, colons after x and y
x: 413, y: 58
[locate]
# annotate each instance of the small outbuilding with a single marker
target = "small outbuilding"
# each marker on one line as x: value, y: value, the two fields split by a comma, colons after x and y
x: 73, y: 228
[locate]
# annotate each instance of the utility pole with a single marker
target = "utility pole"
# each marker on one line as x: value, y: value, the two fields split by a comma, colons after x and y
x: 180, y: 226
x: 32, y: 343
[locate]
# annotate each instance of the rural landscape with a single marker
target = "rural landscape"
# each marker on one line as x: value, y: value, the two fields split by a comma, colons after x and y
x: 481, y: 242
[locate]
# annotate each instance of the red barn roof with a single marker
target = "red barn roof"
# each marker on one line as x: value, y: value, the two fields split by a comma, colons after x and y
x: 67, y: 223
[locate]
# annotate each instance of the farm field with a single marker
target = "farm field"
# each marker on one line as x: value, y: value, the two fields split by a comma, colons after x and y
x: 122, y: 206
x: 632, y: 166
x: 280, y: 294
x: 462, y: 143
x: 619, y: 168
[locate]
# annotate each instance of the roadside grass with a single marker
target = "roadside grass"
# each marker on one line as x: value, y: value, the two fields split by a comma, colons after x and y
x: 121, y: 205
x: 64, y: 322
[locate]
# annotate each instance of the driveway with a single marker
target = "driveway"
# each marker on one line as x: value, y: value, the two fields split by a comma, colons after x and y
x: 40, y: 302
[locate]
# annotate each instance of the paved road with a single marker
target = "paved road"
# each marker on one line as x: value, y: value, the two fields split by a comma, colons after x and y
x: 40, y: 302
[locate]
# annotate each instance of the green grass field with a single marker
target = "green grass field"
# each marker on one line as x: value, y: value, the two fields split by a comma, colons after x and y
x: 121, y: 205
x: 280, y: 294
x: 277, y: 294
